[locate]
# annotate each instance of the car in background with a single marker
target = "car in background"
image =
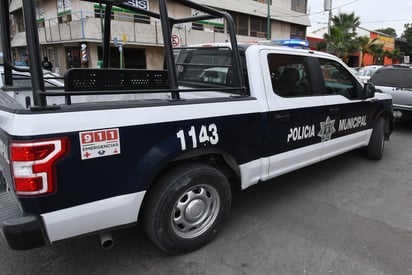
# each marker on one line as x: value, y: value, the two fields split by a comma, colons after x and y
x: 22, y: 79
x: 396, y: 81
x: 365, y: 73
x: 216, y: 75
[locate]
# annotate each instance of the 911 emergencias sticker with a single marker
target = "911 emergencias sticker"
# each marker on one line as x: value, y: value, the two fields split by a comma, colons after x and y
x: 100, y: 143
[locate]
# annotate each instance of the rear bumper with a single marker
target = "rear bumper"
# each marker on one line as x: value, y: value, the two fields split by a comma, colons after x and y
x: 21, y: 231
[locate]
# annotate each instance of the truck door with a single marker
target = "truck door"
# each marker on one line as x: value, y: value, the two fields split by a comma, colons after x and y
x: 351, y: 114
x: 296, y: 111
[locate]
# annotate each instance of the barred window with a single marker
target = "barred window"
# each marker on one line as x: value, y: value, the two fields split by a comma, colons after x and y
x: 241, y: 22
x: 297, y: 31
x: 299, y: 5
x: 258, y: 26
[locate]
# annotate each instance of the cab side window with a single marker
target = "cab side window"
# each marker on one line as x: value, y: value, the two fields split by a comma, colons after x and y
x: 337, y: 80
x: 289, y: 75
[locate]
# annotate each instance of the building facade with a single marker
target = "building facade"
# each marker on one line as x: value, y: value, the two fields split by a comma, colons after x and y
x: 70, y: 31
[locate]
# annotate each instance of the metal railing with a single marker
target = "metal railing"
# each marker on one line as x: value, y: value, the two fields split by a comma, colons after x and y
x: 85, y: 25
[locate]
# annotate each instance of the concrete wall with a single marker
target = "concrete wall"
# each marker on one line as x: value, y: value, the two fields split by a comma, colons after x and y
x: 279, y: 10
x: 154, y: 58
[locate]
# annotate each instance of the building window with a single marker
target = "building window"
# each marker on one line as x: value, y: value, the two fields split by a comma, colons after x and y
x: 40, y: 23
x: 66, y: 18
x: 297, y: 31
x: 63, y: 6
x: 258, y: 26
x: 241, y: 22
x: 250, y: 25
x: 17, y: 22
x: 197, y: 26
x: 215, y: 25
x: 220, y: 29
x: 299, y: 5
x: 39, y: 9
x: 141, y: 19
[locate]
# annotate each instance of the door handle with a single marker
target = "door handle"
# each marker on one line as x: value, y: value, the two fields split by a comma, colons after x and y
x: 334, y: 110
x: 282, y: 117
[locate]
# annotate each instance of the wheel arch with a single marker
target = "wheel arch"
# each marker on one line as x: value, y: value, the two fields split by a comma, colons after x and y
x: 385, y: 111
x: 218, y: 159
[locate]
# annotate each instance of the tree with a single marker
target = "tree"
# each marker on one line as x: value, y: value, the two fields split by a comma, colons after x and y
x: 341, y: 40
x: 347, y: 22
x: 365, y: 46
x: 322, y: 46
x: 341, y: 43
x: 376, y: 50
x: 388, y: 31
x: 407, y: 35
x: 394, y: 55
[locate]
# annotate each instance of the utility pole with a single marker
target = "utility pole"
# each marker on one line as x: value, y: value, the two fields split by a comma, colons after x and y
x: 268, y: 27
x: 328, y: 7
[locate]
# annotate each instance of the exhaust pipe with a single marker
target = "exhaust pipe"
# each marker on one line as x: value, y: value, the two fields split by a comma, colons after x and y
x: 106, y: 240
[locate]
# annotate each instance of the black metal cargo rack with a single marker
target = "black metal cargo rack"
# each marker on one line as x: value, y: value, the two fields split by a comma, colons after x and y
x: 85, y: 81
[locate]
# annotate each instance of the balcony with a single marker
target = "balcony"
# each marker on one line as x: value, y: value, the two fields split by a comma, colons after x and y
x: 85, y: 26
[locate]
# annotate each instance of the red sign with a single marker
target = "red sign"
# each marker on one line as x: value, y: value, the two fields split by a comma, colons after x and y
x: 175, y: 40
x: 100, y: 143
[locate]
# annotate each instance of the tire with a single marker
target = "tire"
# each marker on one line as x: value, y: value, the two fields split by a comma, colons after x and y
x: 186, y: 208
x: 377, y: 142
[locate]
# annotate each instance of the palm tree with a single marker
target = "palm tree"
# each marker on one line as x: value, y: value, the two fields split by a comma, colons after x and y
x: 393, y: 55
x: 365, y: 47
x: 347, y: 22
x: 341, y: 40
x: 376, y: 50
x: 396, y: 55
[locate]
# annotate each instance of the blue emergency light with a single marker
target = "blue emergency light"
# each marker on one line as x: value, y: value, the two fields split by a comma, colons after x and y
x: 293, y: 43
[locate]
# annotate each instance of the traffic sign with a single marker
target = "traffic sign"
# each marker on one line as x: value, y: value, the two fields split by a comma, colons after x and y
x: 175, y: 40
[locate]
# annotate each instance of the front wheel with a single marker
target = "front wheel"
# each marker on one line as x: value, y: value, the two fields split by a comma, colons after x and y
x: 376, y: 144
x: 186, y: 207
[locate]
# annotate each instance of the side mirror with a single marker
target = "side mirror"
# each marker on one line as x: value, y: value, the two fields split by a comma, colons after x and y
x: 368, y: 91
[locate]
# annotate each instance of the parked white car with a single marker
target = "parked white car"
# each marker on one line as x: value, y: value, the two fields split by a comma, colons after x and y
x: 365, y: 73
x: 22, y: 79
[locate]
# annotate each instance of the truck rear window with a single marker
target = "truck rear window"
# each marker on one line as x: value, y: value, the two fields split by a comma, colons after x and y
x: 205, y: 66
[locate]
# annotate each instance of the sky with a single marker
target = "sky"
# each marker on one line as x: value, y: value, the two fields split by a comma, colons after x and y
x: 374, y: 14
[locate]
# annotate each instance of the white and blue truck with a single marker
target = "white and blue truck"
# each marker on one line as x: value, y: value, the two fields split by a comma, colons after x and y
x: 166, y: 148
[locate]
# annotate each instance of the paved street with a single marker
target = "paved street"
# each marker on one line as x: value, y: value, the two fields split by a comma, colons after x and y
x: 348, y: 215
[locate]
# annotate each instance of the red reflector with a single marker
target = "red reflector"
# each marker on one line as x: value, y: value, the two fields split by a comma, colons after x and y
x: 31, y: 153
x: 29, y: 184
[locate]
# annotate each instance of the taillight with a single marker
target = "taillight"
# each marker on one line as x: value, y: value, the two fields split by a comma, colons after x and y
x: 33, y: 165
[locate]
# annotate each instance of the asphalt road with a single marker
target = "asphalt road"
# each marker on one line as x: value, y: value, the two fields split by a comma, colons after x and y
x: 347, y: 215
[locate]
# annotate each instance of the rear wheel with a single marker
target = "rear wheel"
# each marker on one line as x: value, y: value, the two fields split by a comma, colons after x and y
x: 377, y: 142
x: 186, y: 207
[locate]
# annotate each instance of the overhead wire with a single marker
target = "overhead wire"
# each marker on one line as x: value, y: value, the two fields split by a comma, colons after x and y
x: 387, y: 2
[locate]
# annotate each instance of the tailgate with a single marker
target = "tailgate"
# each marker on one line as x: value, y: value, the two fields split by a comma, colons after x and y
x: 8, y: 108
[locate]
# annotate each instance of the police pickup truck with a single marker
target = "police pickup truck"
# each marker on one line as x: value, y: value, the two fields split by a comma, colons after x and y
x: 166, y: 148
